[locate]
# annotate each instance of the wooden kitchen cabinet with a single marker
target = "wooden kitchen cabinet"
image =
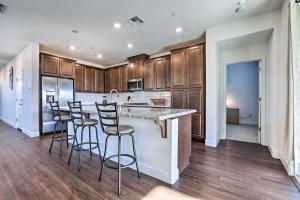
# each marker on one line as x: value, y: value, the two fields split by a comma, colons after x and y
x: 139, y: 69
x: 89, y: 79
x: 149, y: 75
x: 195, y: 66
x: 49, y: 65
x: 179, y: 99
x: 115, y: 78
x: 107, y: 78
x: 131, y: 70
x: 66, y: 68
x: 160, y: 74
x: 124, y: 78
x: 79, y: 78
x: 168, y: 73
x: 198, y: 126
x: 178, y: 69
x: 99, y: 80
x: 195, y: 99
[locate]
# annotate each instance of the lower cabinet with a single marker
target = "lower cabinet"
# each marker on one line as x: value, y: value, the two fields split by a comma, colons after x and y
x: 191, y: 99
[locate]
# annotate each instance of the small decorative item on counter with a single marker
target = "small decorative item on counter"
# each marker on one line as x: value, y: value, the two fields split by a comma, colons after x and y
x: 104, y: 101
x: 158, y: 102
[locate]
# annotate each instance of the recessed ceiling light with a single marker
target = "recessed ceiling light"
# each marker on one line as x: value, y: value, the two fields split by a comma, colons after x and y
x: 178, y: 29
x: 72, y: 48
x: 99, y: 56
x: 117, y: 25
x: 130, y: 45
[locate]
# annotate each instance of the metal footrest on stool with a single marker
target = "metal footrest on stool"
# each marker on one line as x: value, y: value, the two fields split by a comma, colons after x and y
x: 115, y: 156
x: 77, y: 147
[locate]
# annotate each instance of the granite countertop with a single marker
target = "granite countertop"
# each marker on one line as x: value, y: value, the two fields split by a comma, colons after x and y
x: 142, y: 112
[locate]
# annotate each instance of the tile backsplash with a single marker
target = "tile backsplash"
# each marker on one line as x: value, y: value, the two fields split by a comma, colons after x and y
x: 135, y: 97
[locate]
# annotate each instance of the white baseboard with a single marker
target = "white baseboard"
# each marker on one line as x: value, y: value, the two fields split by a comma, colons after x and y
x: 289, y: 166
x: 31, y: 133
x: 8, y: 122
x: 212, y: 143
x: 274, y: 153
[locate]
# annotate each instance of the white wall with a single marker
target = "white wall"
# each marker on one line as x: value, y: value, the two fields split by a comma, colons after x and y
x: 237, y: 29
x: 26, y: 61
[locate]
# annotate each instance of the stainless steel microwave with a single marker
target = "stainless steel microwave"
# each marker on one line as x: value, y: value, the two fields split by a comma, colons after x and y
x: 136, y: 85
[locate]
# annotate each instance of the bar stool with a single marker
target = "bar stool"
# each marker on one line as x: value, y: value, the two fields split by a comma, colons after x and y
x: 109, y: 120
x: 60, y: 117
x: 80, y: 121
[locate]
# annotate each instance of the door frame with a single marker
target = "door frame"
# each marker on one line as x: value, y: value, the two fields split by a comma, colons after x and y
x: 262, y: 90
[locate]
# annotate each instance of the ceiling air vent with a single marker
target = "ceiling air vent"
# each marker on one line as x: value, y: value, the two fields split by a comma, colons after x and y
x: 136, y: 21
x: 2, y: 8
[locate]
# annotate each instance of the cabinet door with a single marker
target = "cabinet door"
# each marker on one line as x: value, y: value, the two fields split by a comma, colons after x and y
x: 79, y: 78
x: 124, y: 78
x: 89, y: 79
x: 168, y: 73
x: 115, y: 78
x: 139, y: 69
x: 99, y: 80
x: 131, y: 70
x: 198, y: 126
x: 149, y: 75
x: 178, y: 69
x: 49, y: 65
x: 107, y: 79
x: 195, y: 66
x: 195, y: 99
x: 66, y: 68
x: 160, y: 73
x: 179, y: 99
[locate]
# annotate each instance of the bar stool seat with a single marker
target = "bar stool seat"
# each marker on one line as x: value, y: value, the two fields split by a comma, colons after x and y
x: 63, y: 118
x: 123, y: 129
x: 85, y: 122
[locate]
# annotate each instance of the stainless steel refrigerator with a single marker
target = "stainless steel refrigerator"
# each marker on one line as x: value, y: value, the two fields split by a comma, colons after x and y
x: 54, y: 89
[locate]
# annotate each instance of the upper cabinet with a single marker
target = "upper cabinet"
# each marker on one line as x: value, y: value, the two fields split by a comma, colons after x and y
x: 149, y: 75
x: 66, y: 68
x: 49, y: 65
x: 79, y: 78
x: 115, y: 78
x: 99, y: 80
x: 168, y: 73
x: 124, y: 78
x: 160, y: 74
x: 195, y: 66
x: 107, y: 78
x: 89, y: 79
x: 136, y: 68
x: 188, y: 67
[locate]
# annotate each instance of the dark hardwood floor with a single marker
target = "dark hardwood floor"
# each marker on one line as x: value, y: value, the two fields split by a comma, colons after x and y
x: 234, y: 170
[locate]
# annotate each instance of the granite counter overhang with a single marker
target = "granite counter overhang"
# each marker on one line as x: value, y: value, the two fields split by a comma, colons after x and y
x: 142, y: 112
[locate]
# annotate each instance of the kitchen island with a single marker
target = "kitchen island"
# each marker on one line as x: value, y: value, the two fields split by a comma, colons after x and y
x: 162, y: 137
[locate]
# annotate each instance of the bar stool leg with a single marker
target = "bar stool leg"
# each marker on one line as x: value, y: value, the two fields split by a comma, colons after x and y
x: 98, y: 145
x: 119, y: 165
x: 80, y: 153
x: 67, y: 135
x: 73, y: 144
x: 61, y: 138
x: 90, y: 141
x: 54, y: 132
x: 103, y: 159
x: 134, y: 152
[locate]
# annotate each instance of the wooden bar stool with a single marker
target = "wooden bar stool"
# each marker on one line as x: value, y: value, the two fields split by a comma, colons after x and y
x: 79, y: 121
x: 109, y: 121
x: 60, y: 117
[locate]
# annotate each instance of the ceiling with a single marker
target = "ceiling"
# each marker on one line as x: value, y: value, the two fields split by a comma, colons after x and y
x: 50, y: 23
x: 257, y: 38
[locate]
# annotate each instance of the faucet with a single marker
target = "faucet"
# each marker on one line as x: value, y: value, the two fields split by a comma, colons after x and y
x: 110, y: 94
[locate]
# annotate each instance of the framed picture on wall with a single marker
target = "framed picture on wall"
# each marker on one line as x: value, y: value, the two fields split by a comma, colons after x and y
x: 11, y: 78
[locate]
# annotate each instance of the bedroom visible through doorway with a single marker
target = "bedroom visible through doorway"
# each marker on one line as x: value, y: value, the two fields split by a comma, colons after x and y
x: 243, y: 102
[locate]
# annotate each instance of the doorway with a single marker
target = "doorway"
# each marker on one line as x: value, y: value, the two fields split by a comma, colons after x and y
x: 243, y: 107
x: 19, y: 100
